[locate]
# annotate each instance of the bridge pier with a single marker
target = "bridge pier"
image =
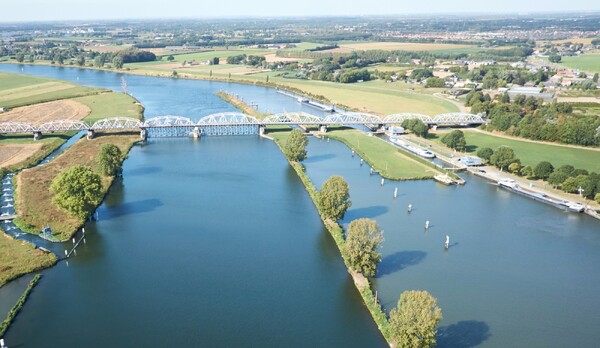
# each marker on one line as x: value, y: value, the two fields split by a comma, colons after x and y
x: 381, y: 127
x: 143, y: 134
x: 37, y: 135
x: 196, y: 133
x: 262, y: 130
x: 323, y: 128
x: 91, y: 134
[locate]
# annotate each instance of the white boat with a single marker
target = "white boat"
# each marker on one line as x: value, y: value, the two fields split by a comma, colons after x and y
x: 302, y: 100
x: 509, y: 183
x: 575, y: 207
x: 417, y: 150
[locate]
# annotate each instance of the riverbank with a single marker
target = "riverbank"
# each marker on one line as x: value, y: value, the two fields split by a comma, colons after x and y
x: 19, y: 257
x: 17, y: 308
x: 33, y: 199
x: 335, y: 230
x: 241, y: 105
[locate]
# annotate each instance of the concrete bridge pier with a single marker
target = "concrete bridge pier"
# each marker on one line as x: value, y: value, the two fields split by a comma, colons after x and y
x: 143, y: 134
x: 91, y: 134
x: 37, y: 135
x: 261, y: 130
x: 381, y: 128
x: 323, y: 128
x: 196, y: 133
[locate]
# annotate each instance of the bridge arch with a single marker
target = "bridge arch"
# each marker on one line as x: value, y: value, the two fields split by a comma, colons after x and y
x: 293, y: 117
x: 228, y: 118
x: 16, y: 127
x: 63, y: 125
x: 457, y: 118
x: 399, y: 118
x: 117, y: 123
x: 352, y: 118
x: 168, y: 121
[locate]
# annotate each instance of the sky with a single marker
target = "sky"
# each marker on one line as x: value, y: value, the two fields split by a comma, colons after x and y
x: 50, y: 10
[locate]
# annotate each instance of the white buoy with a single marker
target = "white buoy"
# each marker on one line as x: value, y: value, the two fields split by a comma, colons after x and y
x: 73, y: 241
x: 352, y: 153
x: 409, y: 208
x: 371, y: 171
x: 83, y: 230
x: 382, y: 181
x: 361, y: 161
x: 447, y: 244
x: 427, y: 224
x: 66, y: 253
x: 395, y: 192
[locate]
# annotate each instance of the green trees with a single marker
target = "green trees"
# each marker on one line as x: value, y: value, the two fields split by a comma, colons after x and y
x: 295, y: 146
x: 435, y: 82
x: 118, y: 62
x: 362, y: 242
x: 455, y: 140
x: 334, y: 198
x: 80, y: 60
x: 77, y: 190
x: 170, y: 58
x: 554, y: 58
x: 110, y: 159
x: 485, y: 153
x: 20, y: 57
x: 99, y: 61
x: 543, y: 170
x: 215, y: 61
x: 416, y: 126
x: 503, y: 157
x: 415, y: 319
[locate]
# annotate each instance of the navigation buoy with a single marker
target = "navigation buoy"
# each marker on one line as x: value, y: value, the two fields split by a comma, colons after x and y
x: 447, y: 244
x: 382, y: 181
x: 395, y: 192
x: 409, y: 208
x: 371, y: 171
x: 427, y: 224
x: 352, y: 153
x: 361, y: 161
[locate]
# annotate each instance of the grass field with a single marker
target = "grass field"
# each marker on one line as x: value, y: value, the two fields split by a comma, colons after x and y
x: 587, y: 62
x: 532, y: 153
x: 19, y: 90
x: 20, y: 257
x: 398, y: 46
x: 111, y: 104
x: 34, y: 200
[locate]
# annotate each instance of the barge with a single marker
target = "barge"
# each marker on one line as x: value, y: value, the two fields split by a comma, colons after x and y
x: 417, y: 150
x: 511, y: 185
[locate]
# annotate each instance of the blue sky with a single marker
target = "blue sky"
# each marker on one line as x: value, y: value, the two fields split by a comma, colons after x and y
x: 34, y: 10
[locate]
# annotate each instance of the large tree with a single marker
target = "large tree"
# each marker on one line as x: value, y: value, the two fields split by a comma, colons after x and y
x: 77, y: 190
x: 334, y: 198
x: 455, y: 140
x: 503, y: 157
x: 414, y: 321
x: 295, y: 146
x: 362, y: 242
x: 543, y: 170
x: 485, y: 153
x: 110, y: 159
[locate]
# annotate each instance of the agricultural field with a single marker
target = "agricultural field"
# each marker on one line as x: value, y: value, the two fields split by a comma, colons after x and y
x: 66, y: 109
x: 111, y: 104
x: 397, y: 46
x: 531, y: 153
x: 586, y: 62
x: 20, y: 90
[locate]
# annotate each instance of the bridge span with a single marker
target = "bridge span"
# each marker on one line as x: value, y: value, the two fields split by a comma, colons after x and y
x: 232, y: 123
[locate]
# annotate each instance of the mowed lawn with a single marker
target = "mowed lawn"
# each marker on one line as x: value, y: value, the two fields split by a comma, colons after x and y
x: 532, y: 153
x: 19, y: 90
x: 111, y: 104
x: 587, y: 62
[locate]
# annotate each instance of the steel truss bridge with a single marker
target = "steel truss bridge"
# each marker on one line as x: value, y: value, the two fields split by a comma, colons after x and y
x: 232, y: 123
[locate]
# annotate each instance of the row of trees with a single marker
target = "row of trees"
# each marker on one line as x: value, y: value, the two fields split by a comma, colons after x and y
x: 528, y: 117
x: 567, y: 178
x: 416, y: 126
x: 78, y: 190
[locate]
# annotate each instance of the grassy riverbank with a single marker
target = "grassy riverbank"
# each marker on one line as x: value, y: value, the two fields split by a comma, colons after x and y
x: 18, y: 257
x: 241, y: 105
x: 337, y: 233
x: 383, y: 157
x: 34, y: 200
x: 17, y: 308
x: 530, y: 152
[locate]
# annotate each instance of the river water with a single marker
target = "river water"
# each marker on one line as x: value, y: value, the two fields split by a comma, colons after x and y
x: 215, y: 243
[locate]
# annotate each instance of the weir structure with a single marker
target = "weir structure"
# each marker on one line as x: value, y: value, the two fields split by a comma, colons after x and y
x: 232, y: 123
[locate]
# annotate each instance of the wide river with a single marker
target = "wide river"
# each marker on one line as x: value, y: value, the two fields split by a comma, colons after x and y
x: 216, y: 243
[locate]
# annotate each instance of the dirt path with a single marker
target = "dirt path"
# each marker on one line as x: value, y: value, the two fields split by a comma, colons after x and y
x: 45, y: 112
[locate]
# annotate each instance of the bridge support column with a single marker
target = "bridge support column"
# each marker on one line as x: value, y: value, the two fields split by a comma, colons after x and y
x: 91, y: 134
x: 37, y: 135
x: 381, y: 127
x: 196, y: 133
x: 323, y: 128
x: 144, y: 134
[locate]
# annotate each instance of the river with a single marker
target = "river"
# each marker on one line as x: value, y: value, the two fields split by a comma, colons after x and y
x: 215, y: 243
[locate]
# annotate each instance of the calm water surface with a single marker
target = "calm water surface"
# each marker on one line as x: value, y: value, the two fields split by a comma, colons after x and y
x: 215, y: 242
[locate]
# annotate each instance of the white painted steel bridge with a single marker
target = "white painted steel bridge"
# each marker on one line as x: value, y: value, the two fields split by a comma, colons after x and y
x: 232, y: 123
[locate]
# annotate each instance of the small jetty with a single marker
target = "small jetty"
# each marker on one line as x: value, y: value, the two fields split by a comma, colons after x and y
x: 448, y: 180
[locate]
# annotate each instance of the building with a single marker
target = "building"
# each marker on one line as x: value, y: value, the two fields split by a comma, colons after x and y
x: 535, y: 92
